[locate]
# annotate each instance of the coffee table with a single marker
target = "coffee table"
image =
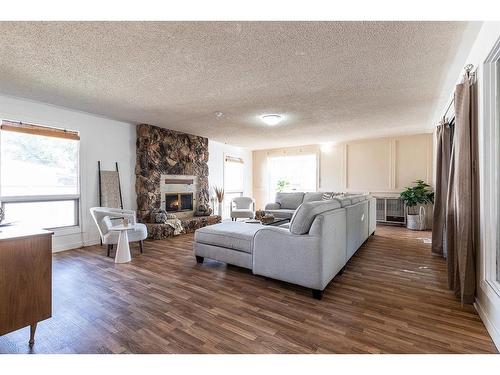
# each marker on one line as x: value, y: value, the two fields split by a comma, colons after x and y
x: 277, y: 221
x: 123, y: 249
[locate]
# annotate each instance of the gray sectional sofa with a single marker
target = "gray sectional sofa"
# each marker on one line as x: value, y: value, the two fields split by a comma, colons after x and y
x: 321, y: 238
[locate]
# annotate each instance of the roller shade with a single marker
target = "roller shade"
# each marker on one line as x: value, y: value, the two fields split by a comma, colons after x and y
x: 22, y: 127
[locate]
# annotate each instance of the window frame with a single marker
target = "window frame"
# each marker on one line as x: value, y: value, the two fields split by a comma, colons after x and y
x: 233, y: 159
x: 76, y: 198
x: 228, y: 158
x: 490, y: 173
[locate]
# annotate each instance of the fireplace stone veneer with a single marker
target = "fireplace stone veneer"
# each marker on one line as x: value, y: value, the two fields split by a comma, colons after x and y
x: 164, y: 155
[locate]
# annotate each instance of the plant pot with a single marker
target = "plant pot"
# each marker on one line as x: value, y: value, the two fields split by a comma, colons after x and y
x: 413, y: 221
x: 416, y: 221
x: 220, y: 209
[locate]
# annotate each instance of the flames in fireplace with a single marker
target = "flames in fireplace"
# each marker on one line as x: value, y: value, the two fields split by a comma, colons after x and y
x: 175, y: 202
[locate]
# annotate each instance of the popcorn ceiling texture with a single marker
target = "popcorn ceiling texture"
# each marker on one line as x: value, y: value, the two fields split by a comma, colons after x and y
x: 334, y: 81
x: 162, y: 151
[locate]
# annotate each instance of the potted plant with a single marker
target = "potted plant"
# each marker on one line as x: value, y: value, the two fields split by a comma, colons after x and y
x: 282, y: 185
x: 414, y: 198
x: 219, y: 194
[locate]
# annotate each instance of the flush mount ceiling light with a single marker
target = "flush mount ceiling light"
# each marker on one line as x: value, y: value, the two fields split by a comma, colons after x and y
x: 271, y: 120
x: 218, y: 114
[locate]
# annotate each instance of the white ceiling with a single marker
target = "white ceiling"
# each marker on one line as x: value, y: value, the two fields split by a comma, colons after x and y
x: 332, y: 80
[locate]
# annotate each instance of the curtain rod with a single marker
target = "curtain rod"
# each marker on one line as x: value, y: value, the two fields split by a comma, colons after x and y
x: 468, y: 68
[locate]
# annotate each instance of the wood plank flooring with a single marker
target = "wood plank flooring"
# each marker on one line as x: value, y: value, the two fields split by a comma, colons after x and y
x: 392, y: 298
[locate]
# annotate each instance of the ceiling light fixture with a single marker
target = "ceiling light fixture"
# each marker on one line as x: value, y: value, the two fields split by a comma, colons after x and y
x: 218, y: 114
x: 271, y: 120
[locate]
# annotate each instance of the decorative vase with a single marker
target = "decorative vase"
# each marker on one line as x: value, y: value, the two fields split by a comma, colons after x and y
x: 219, y: 209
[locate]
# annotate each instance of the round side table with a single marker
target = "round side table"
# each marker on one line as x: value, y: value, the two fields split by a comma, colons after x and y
x: 123, y: 249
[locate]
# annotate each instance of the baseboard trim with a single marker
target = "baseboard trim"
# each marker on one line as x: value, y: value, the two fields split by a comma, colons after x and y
x: 495, y: 335
x: 72, y: 246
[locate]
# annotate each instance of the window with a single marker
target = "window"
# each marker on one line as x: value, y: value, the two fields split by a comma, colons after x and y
x: 39, y: 182
x: 490, y: 185
x: 234, y: 181
x: 291, y: 173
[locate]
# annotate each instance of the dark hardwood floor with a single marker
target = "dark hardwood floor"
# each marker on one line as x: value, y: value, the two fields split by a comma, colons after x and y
x: 392, y: 298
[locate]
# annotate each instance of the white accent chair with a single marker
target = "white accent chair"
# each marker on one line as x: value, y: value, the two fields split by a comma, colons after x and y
x: 106, y: 217
x: 242, y: 207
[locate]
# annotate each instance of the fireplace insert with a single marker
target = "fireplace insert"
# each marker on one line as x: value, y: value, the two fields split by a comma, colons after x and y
x: 175, y: 202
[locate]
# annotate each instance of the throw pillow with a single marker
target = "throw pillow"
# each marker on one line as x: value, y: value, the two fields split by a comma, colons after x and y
x: 160, y: 217
x: 326, y: 196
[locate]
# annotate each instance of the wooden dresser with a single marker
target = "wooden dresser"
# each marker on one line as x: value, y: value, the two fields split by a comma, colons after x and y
x: 25, y: 278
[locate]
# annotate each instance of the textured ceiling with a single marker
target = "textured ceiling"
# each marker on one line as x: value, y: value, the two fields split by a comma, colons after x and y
x: 332, y: 80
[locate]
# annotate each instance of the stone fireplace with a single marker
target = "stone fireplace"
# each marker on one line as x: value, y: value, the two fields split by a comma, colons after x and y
x: 170, y: 162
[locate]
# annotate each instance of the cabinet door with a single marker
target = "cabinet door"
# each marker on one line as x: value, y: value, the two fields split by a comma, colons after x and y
x: 25, y: 282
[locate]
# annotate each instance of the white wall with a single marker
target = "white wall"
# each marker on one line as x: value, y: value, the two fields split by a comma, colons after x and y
x: 377, y: 165
x: 216, y: 153
x: 488, y: 300
x: 100, y: 139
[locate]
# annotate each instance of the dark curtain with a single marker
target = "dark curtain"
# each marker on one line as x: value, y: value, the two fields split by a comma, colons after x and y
x: 444, y: 135
x: 455, y: 226
x: 462, y: 208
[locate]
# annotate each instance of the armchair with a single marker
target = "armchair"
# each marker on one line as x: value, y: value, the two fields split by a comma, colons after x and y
x: 244, y: 207
x: 106, y: 217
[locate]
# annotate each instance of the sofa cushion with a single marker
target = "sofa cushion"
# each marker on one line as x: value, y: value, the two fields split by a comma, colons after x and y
x: 357, y: 198
x: 286, y: 214
x: 272, y: 206
x: 290, y: 201
x: 313, y: 197
x: 344, y: 201
x: 305, y: 214
x: 230, y: 234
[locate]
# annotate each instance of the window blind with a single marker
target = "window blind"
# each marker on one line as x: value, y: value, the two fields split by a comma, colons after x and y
x: 22, y: 127
x: 234, y: 159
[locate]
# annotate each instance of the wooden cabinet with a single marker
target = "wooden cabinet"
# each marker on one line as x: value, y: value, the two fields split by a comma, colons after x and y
x: 25, y: 278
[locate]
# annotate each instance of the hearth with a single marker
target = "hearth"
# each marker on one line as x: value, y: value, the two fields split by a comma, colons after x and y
x: 176, y: 202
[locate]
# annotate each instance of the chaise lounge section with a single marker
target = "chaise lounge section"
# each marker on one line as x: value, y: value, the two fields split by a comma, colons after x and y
x: 228, y: 242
